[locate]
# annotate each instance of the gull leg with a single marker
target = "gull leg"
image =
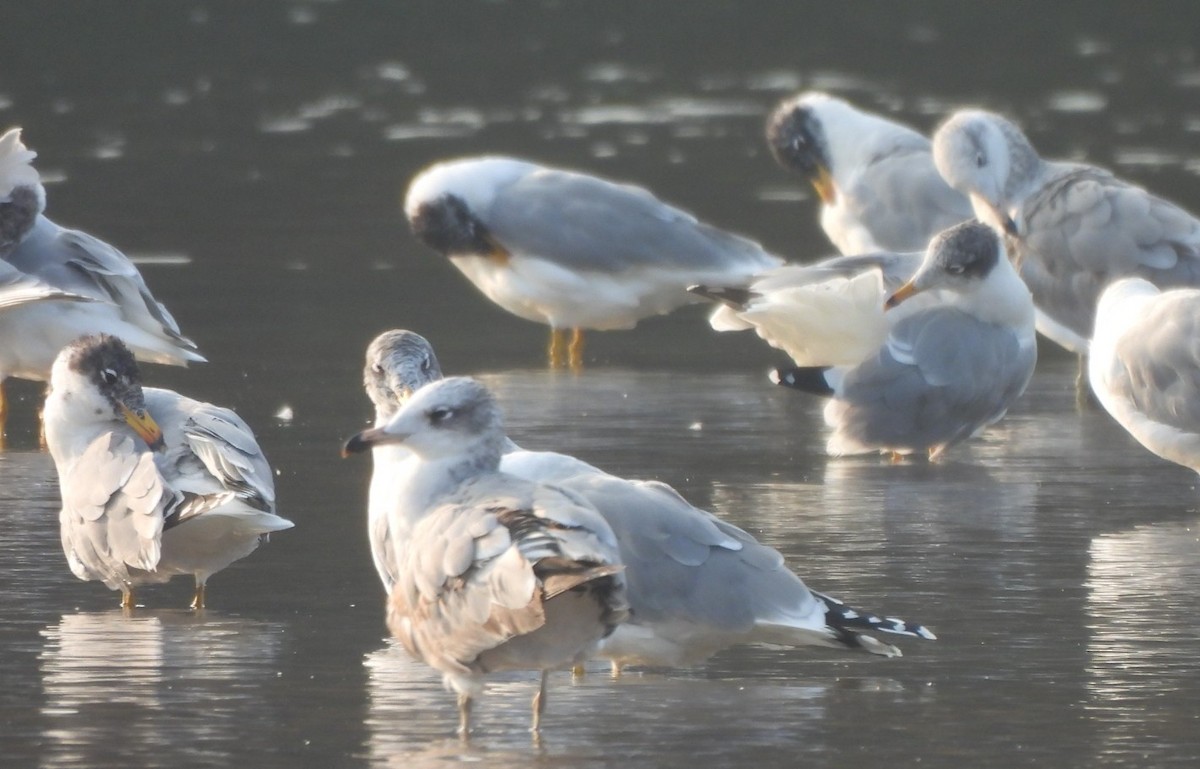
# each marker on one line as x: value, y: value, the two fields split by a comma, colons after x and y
x: 464, y: 716
x: 555, y: 353
x: 127, y: 597
x: 539, y: 704
x: 615, y: 671
x: 578, y: 671
x: 575, y: 349
x: 198, y: 596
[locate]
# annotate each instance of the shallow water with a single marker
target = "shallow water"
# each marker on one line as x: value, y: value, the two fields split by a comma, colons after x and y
x: 252, y: 157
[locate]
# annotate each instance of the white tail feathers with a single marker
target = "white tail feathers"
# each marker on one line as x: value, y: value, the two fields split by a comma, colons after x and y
x: 16, y: 164
x: 837, y: 322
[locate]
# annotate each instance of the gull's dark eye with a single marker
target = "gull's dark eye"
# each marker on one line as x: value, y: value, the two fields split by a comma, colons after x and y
x: 980, y: 160
x: 376, y: 368
x: 440, y: 414
x: 426, y: 364
x: 109, y: 376
x: 956, y: 268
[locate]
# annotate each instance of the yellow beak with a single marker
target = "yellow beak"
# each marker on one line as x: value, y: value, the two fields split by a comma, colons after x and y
x: 824, y: 186
x: 904, y: 292
x: 144, y: 425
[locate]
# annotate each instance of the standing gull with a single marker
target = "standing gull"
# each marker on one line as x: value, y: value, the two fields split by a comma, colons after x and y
x: 1144, y: 366
x: 143, y: 502
x: 1072, y: 228
x: 73, y: 262
x: 491, y: 572
x: 696, y: 584
x: 570, y: 250
x: 942, y: 372
x: 878, y: 186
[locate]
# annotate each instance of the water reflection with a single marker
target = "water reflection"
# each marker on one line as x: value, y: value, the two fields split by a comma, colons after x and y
x: 130, y: 688
x: 1141, y: 583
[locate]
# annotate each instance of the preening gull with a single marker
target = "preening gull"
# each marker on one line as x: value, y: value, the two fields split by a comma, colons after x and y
x: 1144, y: 365
x: 875, y: 178
x: 75, y: 263
x: 153, y: 484
x: 492, y: 572
x: 1072, y: 228
x: 940, y: 374
x: 568, y: 249
x: 696, y: 584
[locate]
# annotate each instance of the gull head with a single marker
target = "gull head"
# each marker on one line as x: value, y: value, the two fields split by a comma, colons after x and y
x: 22, y: 196
x: 398, y: 364
x: 447, y: 203
x: 796, y: 136
x: 988, y: 159
x: 446, y: 419
x: 959, y: 260
x: 96, y: 381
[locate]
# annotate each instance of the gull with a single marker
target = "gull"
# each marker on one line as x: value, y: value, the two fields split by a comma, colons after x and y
x: 570, y: 250
x: 696, y: 584
x: 74, y: 263
x: 931, y: 377
x: 1073, y: 228
x: 491, y: 572
x: 876, y: 179
x: 153, y: 484
x: 1144, y: 365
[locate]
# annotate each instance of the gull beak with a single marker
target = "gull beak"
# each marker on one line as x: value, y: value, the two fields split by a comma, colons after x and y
x: 498, y: 254
x: 994, y: 217
x: 144, y: 425
x: 823, y: 184
x: 369, y: 439
x: 904, y: 292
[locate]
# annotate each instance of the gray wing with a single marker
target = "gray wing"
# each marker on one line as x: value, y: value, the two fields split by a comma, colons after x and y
x: 1158, y: 363
x: 18, y: 288
x: 685, y: 565
x: 590, y: 224
x: 1086, y: 228
x: 114, y: 506
x: 942, y: 375
x: 903, y: 201
x: 77, y: 262
x: 201, y: 435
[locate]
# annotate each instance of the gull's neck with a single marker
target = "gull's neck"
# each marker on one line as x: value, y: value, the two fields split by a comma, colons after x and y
x: 423, y: 483
x: 1001, y: 298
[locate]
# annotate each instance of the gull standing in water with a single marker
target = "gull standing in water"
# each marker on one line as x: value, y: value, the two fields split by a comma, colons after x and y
x: 876, y: 180
x: 942, y: 372
x: 153, y: 484
x: 1072, y: 228
x: 570, y: 250
x: 77, y: 263
x: 491, y: 572
x: 696, y: 584
x: 1144, y: 366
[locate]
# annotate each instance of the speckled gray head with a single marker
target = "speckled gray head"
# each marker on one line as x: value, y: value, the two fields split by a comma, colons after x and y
x: 797, y: 139
x: 108, y: 364
x: 969, y: 251
x: 399, y: 363
x: 447, y: 225
x: 446, y: 418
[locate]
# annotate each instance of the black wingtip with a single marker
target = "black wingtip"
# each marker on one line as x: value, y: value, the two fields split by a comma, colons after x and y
x: 809, y: 379
x: 841, y: 617
x: 737, y: 298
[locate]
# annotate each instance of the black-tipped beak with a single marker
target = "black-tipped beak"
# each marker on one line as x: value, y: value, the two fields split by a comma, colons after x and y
x: 144, y: 425
x: 369, y: 439
x: 1010, y: 226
